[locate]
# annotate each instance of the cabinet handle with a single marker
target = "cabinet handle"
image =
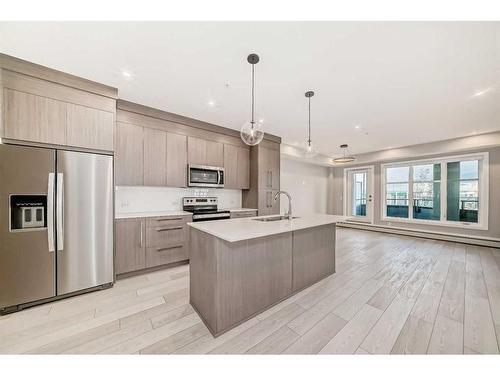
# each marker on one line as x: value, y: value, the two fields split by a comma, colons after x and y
x: 168, y: 248
x: 142, y: 223
x: 169, y: 219
x: 164, y: 229
x: 271, y: 179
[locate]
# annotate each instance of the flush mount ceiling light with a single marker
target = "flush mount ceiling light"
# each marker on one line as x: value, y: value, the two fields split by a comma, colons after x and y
x: 346, y: 156
x: 251, y: 133
x: 310, y: 152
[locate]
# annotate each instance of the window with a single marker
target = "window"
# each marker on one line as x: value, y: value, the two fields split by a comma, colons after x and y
x: 397, y: 191
x: 463, y: 191
x: 449, y: 191
x: 426, y: 191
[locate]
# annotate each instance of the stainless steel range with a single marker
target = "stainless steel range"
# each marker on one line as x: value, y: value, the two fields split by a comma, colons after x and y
x: 204, y: 208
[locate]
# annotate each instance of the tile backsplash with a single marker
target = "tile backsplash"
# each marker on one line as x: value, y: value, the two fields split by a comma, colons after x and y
x: 130, y: 199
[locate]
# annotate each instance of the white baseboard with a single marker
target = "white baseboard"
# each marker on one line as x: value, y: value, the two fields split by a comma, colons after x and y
x: 470, y: 240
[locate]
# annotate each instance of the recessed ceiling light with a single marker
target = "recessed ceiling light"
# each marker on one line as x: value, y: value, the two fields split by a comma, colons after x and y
x: 481, y: 93
x: 261, y: 120
x: 126, y: 74
x: 357, y: 127
x: 211, y: 103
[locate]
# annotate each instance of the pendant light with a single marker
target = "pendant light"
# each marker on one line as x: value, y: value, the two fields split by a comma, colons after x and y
x: 346, y: 156
x: 310, y: 152
x: 252, y: 133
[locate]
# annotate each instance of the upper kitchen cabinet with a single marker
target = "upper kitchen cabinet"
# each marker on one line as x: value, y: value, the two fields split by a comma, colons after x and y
x: 129, y: 154
x: 89, y: 127
x: 176, y: 160
x: 42, y: 105
x: 197, y: 151
x: 236, y: 167
x: 230, y: 167
x: 34, y: 118
x: 204, y: 152
x: 243, y: 168
x: 215, y: 154
x: 155, y: 157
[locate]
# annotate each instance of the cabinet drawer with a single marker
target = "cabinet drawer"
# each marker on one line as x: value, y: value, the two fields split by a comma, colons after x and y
x: 160, y: 255
x: 166, y: 236
x: 236, y: 215
x: 167, y: 221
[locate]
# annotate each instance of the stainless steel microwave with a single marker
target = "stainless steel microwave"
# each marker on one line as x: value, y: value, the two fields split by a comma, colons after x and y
x: 205, y: 176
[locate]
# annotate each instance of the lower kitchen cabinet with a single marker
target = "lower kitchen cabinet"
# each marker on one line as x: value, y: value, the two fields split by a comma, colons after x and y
x: 162, y: 240
x: 130, y: 245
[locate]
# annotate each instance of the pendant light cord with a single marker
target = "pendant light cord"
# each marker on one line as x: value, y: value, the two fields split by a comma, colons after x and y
x: 309, y: 139
x: 253, y: 94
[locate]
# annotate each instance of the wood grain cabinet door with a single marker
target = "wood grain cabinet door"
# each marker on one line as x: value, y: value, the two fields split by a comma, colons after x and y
x: 130, y: 245
x: 197, y: 151
x: 264, y: 202
x: 243, y: 168
x: 155, y: 157
x: 176, y: 160
x: 89, y: 127
x: 264, y: 175
x: 231, y: 167
x: 129, y: 154
x: 274, y: 168
x: 34, y: 118
x: 214, y: 154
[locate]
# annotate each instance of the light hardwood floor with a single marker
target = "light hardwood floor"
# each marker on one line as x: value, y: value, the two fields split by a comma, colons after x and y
x: 390, y: 294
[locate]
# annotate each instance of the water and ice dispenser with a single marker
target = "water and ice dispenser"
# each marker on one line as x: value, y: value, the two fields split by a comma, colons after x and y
x: 28, y: 212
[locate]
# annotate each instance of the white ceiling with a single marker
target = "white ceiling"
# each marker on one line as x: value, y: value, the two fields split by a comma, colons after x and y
x: 400, y: 83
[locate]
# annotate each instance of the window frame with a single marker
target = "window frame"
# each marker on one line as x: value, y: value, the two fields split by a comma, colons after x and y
x: 483, y: 190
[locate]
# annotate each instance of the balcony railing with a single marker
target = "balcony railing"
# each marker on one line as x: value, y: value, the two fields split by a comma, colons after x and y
x: 424, y: 209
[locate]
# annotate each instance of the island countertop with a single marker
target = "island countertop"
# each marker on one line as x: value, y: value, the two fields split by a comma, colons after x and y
x: 234, y: 230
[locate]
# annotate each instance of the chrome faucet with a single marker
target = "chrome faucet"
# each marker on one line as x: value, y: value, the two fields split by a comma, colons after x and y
x: 289, y: 213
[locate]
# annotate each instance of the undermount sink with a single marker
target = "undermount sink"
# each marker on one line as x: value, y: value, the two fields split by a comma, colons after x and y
x: 275, y: 218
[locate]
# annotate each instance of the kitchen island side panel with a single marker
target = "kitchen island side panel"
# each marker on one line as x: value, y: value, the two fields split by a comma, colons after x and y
x: 313, y: 255
x: 203, y: 276
x: 252, y: 275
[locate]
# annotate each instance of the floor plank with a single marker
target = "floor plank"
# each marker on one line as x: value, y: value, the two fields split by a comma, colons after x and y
x: 276, y: 343
x: 348, y: 340
x: 447, y: 337
x: 318, y: 336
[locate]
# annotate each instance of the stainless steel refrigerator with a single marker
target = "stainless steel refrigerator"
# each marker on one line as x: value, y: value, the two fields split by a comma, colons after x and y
x: 56, y: 224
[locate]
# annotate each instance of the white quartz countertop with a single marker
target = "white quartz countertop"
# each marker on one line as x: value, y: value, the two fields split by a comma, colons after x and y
x: 132, y: 215
x: 234, y: 230
x: 241, y: 209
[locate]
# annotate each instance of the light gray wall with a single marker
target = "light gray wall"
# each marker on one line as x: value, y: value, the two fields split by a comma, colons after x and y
x: 307, y: 184
x: 335, y: 195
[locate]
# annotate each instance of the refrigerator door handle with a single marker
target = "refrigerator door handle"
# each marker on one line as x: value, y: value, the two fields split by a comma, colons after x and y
x: 60, y: 211
x: 50, y: 212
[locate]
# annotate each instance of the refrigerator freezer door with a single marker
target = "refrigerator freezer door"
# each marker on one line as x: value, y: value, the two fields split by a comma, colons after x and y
x: 85, y: 220
x: 27, y: 264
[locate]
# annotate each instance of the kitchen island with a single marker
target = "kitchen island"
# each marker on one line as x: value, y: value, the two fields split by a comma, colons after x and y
x: 241, y: 267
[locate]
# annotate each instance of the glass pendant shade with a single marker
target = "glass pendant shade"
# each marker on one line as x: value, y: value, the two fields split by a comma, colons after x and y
x: 251, y: 134
x: 310, y: 151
